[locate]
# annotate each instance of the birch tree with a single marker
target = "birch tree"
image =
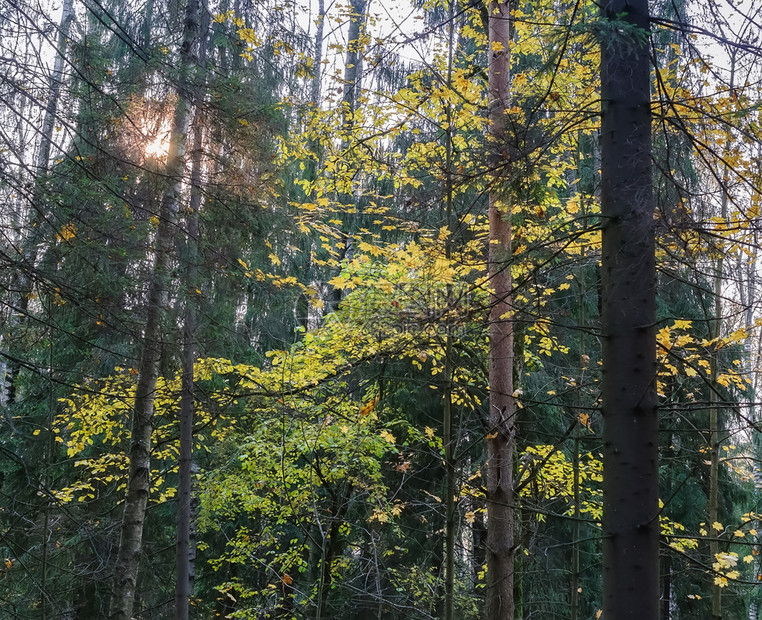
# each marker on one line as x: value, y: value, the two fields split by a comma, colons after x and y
x: 138, y: 486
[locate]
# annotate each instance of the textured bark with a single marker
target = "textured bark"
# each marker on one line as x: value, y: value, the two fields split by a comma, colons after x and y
x: 318, y: 58
x: 56, y: 81
x: 353, y: 61
x: 500, y: 437
x: 185, y: 548
x: 630, y: 435
x: 138, y: 485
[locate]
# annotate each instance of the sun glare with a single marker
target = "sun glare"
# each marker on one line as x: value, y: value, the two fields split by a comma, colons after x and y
x: 158, y: 147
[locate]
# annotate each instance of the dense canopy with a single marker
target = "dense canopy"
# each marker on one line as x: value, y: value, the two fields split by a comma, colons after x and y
x: 373, y: 309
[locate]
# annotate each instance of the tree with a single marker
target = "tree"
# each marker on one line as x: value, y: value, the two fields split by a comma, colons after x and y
x: 445, y: 365
x: 185, y: 547
x: 630, y: 422
x: 138, y: 486
x: 501, y: 420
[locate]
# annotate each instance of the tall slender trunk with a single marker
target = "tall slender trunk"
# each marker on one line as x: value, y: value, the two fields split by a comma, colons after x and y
x: 450, y: 441
x: 714, y: 405
x: 352, y: 84
x: 185, y: 548
x: 22, y: 278
x: 353, y: 61
x: 631, y: 428
x: 575, y: 568
x: 138, y: 485
x: 577, y: 483
x: 666, y: 590
x: 449, y: 448
x: 54, y: 88
x: 501, y: 433
x: 331, y: 547
x: 714, y: 435
x: 318, y: 57
x: 43, y: 158
x: 753, y: 414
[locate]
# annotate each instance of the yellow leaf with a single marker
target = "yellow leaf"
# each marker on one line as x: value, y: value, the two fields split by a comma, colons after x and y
x: 387, y: 436
x: 368, y: 407
x: 67, y: 233
x: 339, y: 282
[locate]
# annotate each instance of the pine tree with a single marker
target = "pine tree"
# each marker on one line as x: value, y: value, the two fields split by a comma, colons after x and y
x: 630, y: 422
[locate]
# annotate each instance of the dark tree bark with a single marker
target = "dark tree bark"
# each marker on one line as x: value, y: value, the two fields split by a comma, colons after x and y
x: 500, y: 549
x: 631, y: 429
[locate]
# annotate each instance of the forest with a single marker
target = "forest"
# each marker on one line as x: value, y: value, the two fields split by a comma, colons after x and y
x: 361, y: 309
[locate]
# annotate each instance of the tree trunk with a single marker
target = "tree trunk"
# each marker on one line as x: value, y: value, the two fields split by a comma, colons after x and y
x: 715, y: 331
x: 56, y: 81
x: 185, y: 549
x: 22, y: 278
x: 631, y: 429
x: 448, y: 418
x: 138, y: 485
x: 353, y: 61
x: 331, y: 547
x: 714, y: 436
x: 753, y: 414
x: 500, y: 436
x: 318, y: 57
x: 352, y: 82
